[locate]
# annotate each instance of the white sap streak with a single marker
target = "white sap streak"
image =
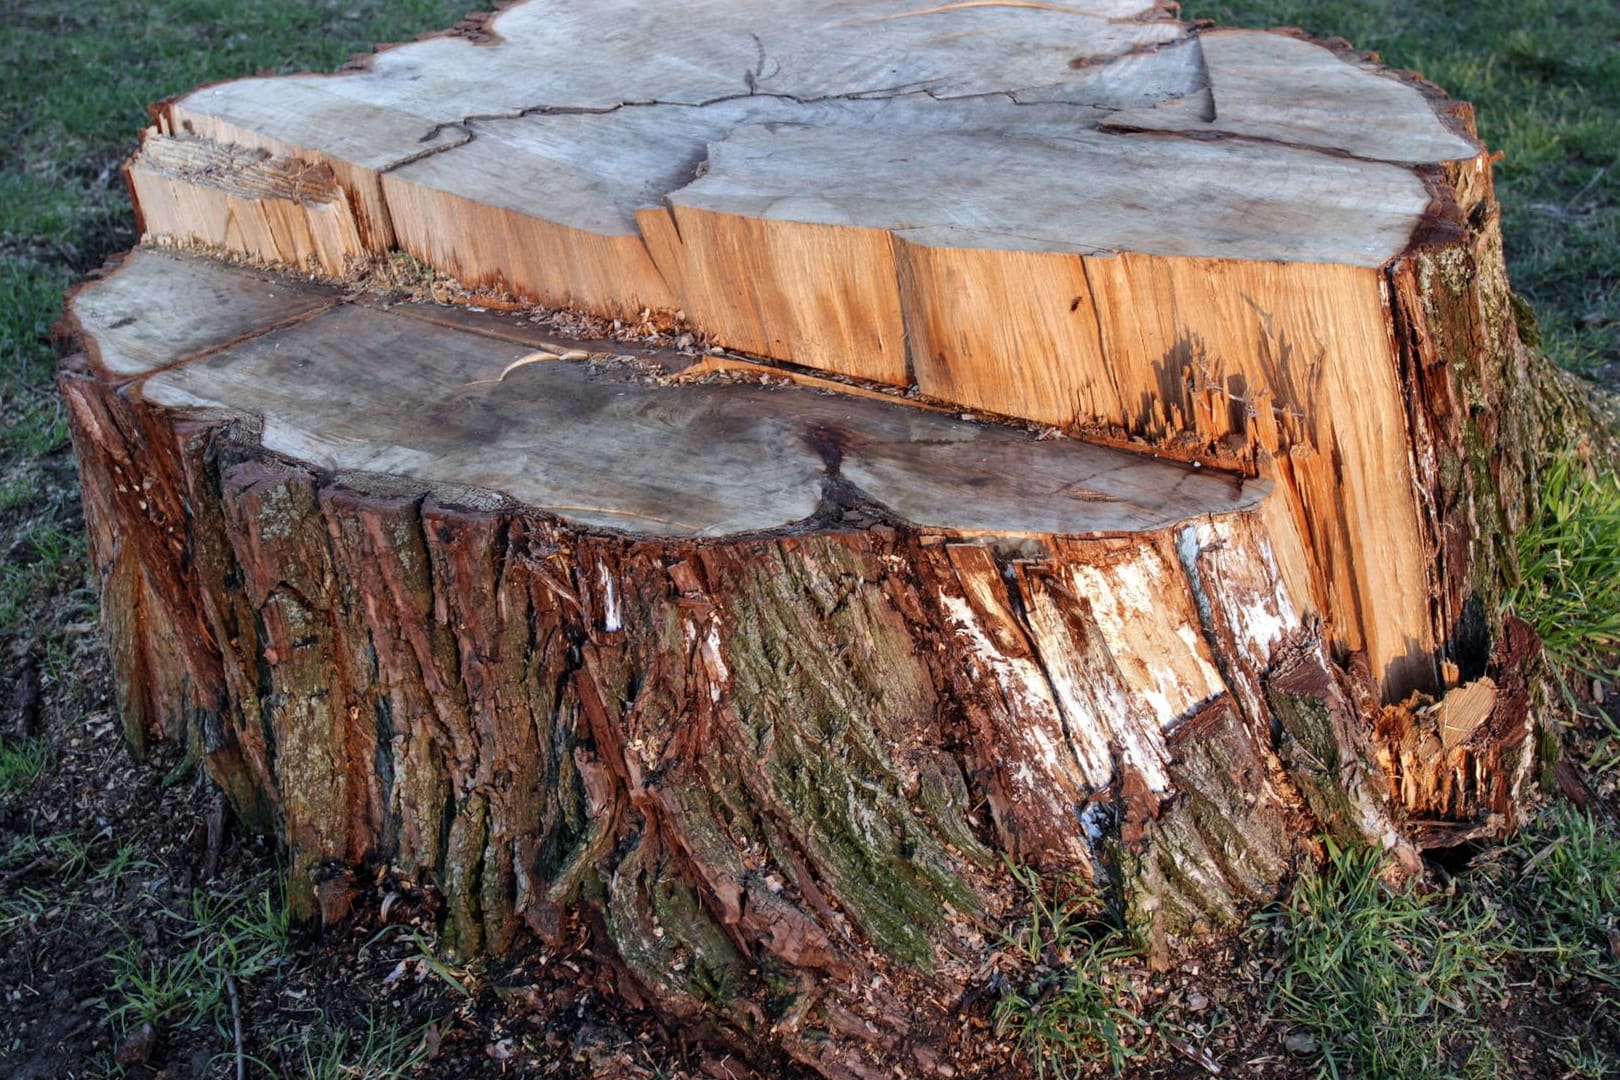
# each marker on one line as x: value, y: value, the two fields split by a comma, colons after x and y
x: 1251, y: 595
x: 1140, y: 743
x: 611, y: 620
x: 1100, y: 708
x: 520, y: 874
x: 1021, y: 683
x: 719, y: 674
x: 1141, y: 609
x: 1090, y: 727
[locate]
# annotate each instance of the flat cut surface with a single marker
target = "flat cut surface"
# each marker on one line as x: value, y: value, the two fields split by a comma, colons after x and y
x: 977, y: 173
x: 141, y: 327
x: 361, y: 388
x: 979, y: 121
x: 1275, y: 87
x: 1085, y: 192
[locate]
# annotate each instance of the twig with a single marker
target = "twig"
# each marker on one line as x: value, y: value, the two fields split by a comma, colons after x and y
x: 216, y: 836
x: 1197, y: 1056
x: 1569, y: 203
x: 22, y: 871
x: 236, y: 1026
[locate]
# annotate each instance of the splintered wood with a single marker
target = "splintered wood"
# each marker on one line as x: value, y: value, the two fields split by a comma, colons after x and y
x: 273, y: 209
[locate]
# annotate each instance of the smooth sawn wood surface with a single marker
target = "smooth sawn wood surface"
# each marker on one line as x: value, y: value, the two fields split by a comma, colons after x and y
x: 603, y: 444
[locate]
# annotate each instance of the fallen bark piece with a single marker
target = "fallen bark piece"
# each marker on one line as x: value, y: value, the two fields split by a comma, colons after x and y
x: 22, y: 713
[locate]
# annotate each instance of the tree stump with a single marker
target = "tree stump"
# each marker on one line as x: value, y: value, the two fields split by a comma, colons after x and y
x: 1098, y: 453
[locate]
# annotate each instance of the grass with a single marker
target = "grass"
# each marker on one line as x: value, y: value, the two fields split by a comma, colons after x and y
x: 1569, y: 589
x: 1066, y: 1007
x: 85, y: 872
x: 1385, y: 982
x: 186, y: 954
x: 1361, y: 976
x: 21, y: 758
x: 382, y: 1050
x: 215, y: 943
x: 181, y: 977
x: 1365, y: 978
x: 1567, y: 896
x: 1389, y: 983
x: 73, y: 860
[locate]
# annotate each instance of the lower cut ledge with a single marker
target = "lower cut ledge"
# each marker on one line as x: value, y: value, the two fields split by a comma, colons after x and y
x: 769, y: 686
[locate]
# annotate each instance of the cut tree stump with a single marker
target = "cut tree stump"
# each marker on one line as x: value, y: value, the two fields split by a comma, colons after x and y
x: 1054, y: 437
